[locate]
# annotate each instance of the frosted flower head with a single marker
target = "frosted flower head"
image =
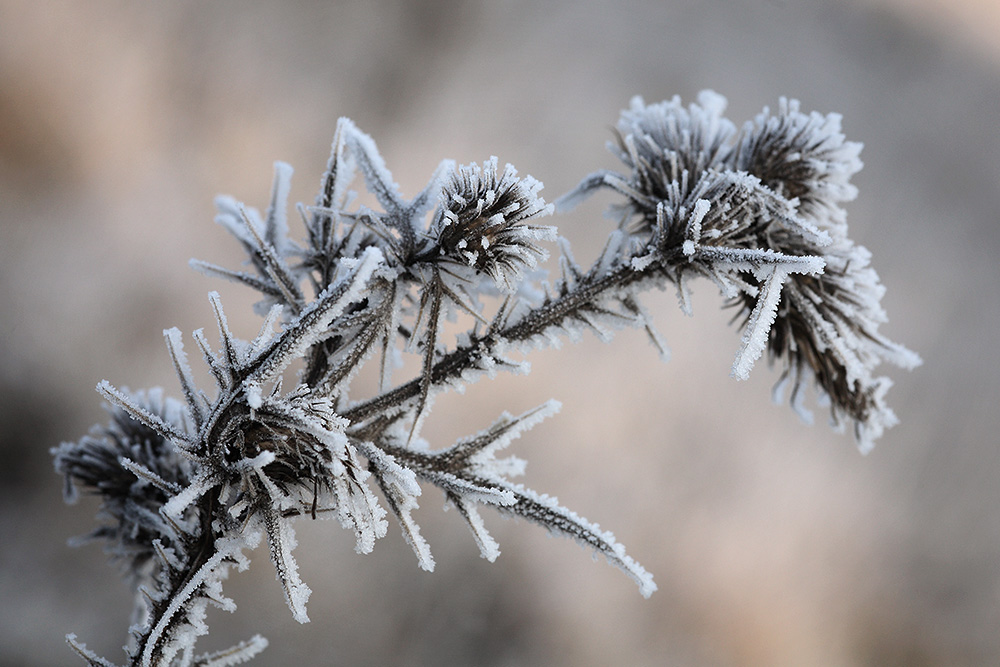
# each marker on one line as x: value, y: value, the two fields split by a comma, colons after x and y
x: 804, y: 157
x: 100, y: 464
x: 485, y: 221
x: 826, y: 328
x: 665, y: 145
x: 281, y: 451
x: 825, y: 333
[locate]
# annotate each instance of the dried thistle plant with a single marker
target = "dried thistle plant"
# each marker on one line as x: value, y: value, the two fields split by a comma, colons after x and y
x: 188, y: 487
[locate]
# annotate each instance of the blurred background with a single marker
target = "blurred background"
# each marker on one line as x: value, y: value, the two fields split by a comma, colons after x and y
x: 773, y: 543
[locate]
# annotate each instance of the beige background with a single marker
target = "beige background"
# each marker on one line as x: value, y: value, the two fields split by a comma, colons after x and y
x: 773, y: 543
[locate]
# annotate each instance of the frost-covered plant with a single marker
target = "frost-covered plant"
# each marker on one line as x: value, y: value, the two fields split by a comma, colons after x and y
x: 187, y: 488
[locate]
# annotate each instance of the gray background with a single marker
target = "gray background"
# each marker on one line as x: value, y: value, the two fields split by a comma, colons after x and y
x: 773, y: 543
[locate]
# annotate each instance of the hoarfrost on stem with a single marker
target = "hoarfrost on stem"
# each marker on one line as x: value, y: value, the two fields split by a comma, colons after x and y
x: 188, y: 486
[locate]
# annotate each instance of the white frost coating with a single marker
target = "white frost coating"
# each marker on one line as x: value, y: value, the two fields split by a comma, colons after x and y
x: 529, y: 420
x: 167, y: 556
x: 403, y: 503
x: 752, y: 259
x: 231, y: 215
x: 684, y: 294
x: 473, y: 229
x: 175, y: 347
x: 590, y: 534
x: 355, y: 504
x: 281, y: 540
x: 797, y: 402
x: 669, y: 131
x: 277, y: 270
x: 640, y: 263
x: 253, y: 395
x: 398, y: 490
x: 257, y: 463
x: 86, y: 653
x: 488, y: 547
x: 144, y: 473
x: 480, y: 494
x: 392, y: 357
x: 822, y: 146
x: 266, y: 333
x: 214, y: 568
x: 276, y: 229
x: 235, y: 655
x: 315, y: 319
x: 212, y: 592
x: 411, y: 532
x: 204, y: 481
x: 340, y: 169
x: 759, y: 324
x: 655, y: 337
x: 230, y: 345
x: 867, y: 433
x: 698, y: 213
x: 712, y: 102
x: 612, y: 252
x: 117, y: 397
x: 366, y: 156
x: 403, y: 478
